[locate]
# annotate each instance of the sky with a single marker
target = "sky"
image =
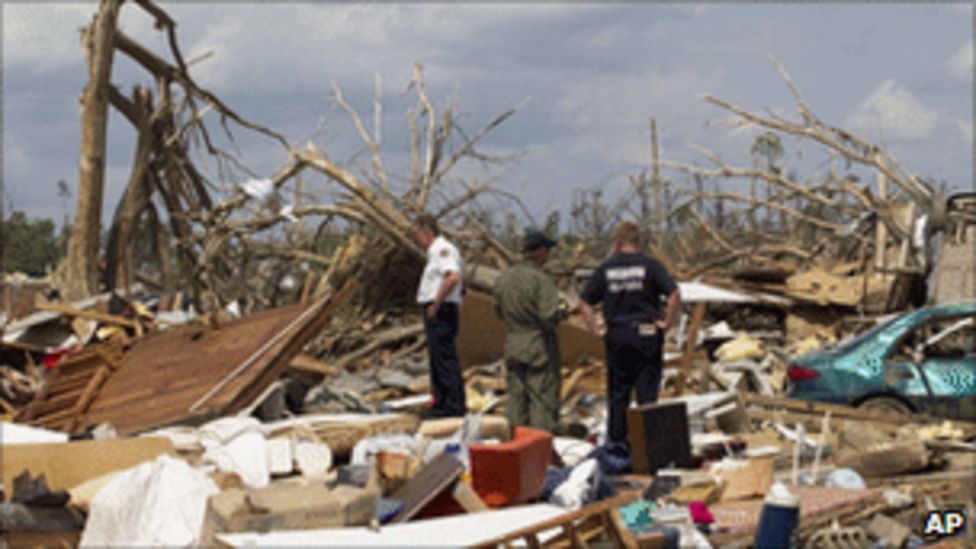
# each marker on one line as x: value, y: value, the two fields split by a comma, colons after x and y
x: 900, y: 75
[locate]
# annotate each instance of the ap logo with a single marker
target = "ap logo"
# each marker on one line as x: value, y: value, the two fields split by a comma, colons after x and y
x: 940, y: 524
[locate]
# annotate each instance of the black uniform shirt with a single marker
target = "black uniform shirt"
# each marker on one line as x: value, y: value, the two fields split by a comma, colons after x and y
x: 630, y: 285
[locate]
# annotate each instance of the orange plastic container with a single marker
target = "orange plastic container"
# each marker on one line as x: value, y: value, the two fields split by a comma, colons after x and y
x: 511, y: 472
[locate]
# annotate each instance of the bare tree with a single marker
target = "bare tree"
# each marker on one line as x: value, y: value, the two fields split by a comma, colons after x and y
x: 83, y: 247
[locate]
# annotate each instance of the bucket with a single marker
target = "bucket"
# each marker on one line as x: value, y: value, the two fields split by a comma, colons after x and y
x: 778, y: 519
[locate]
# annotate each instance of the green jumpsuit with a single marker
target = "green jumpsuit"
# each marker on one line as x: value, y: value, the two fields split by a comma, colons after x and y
x: 527, y: 300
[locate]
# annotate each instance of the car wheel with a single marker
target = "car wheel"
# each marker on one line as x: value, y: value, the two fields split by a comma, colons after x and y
x: 885, y: 404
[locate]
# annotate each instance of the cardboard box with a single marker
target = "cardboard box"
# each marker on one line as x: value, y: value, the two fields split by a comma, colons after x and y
x: 288, y: 506
x: 751, y: 480
x: 69, y: 464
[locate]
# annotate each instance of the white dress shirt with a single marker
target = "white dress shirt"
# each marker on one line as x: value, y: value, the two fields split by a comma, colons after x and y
x: 442, y: 258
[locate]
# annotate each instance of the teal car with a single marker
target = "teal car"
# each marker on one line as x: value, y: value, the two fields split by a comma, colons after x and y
x: 921, y: 361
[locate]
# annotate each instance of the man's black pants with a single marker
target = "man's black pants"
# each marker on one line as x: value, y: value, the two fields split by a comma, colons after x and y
x: 445, y: 368
x: 633, y: 362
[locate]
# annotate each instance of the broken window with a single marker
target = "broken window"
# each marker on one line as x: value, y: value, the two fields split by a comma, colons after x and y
x: 946, y: 337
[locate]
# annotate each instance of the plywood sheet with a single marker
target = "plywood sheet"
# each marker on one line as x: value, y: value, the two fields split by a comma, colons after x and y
x: 72, y: 463
x: 457, y: 530
x: 188, y: 374
x: 481, y: 337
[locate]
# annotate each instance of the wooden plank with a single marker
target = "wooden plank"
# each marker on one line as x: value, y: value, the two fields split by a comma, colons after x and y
x: 809, y: 406
x: 690, y: 341
x: 51, y: 421
x: 104, y: 318
x: 163, y: 374
x: 309, y: 364
x: 59, y: 402
x: 307, y: 287
x: 22, y: 346
x: 86, y: 398
x: 74, y: 386
x: 557, y: 522
x: 571, y: 383
x: 291, y: 347
x: 421, y: 489
x: 467, y: 498
x: 840, y: 411
x: 76, y: 374
x: 813, y: 422
x: 68, y: 464
x: 618, y: 531
x: 575, y: 539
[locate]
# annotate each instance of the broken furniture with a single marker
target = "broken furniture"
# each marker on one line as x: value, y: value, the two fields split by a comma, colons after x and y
x: 659, y: 437
x: 502, y: 475
x: 511, y: 472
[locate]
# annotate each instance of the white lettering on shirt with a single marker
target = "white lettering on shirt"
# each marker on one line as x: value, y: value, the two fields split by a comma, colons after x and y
x: 625, y: 279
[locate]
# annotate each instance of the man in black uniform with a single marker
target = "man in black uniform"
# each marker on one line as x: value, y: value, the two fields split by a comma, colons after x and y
x: 631, y: 286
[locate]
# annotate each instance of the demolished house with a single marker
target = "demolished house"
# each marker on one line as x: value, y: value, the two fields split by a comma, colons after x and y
x: 240, y: 389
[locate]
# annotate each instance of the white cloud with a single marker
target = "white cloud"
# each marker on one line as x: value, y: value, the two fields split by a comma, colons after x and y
x: 344, y: 42
x: 15, y: 161
x: 892, y: 111
x: 306, y: 45
x: 966, y: 127
x: 44, y: 37
x: 611, y: 113
x: 740, y: 42
x: 960, y: 65
x: 694, y: 10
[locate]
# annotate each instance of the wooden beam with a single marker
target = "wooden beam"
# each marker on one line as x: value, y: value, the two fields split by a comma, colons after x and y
x: 70, y: 311
x: 467, y: 498
x: 656, y: 179
x: 690, y: 341
x: 840, y: 412
x: 595, y: 509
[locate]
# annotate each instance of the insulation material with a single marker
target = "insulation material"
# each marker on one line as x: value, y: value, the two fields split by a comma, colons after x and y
x: 238, y: 445
x: 159, y: 503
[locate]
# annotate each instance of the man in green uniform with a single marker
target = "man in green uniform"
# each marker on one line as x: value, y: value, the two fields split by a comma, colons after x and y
x: 527, y: 300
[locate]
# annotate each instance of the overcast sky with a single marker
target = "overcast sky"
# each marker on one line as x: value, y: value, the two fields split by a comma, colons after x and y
x: 899, y: 74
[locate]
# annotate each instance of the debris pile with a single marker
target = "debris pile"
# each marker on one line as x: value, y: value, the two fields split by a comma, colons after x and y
x: 234, y: 387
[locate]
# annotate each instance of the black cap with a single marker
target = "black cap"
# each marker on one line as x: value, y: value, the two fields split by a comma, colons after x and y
x: 536, y: 239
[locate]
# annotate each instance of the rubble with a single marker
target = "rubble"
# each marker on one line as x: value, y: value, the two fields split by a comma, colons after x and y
x: 280, y: 402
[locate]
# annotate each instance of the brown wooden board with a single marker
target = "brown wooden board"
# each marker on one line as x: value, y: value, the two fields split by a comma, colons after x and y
x: 188, y: 374
x: 421, y: 489
x: 569, y: 521
x: 481, y: 335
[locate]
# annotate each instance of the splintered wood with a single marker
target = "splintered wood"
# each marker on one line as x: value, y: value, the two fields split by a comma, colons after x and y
x: 187, y: 374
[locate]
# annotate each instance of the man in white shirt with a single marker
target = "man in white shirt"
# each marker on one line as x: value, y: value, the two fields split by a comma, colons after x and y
x: 439, y: 295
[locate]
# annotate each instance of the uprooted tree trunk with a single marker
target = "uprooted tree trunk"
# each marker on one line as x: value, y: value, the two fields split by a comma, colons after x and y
x: 82, y: 261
